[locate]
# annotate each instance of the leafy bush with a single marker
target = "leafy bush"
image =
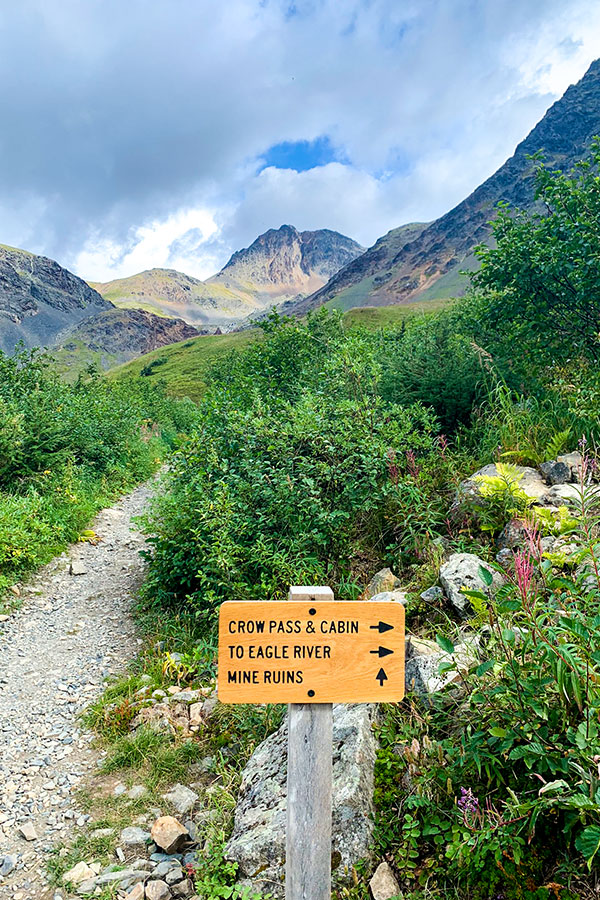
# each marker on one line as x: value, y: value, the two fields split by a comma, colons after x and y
x: 503, y: 769
x: 67, y: 450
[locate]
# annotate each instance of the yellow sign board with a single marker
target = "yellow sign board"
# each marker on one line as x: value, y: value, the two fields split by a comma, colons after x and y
x: 311, y: 651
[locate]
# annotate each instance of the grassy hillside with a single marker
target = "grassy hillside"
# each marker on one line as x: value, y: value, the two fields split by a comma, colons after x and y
x: 183, y: 365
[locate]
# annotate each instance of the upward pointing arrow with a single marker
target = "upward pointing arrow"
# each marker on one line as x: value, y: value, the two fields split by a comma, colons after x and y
x: 381, y: 677
x: 383, y: 626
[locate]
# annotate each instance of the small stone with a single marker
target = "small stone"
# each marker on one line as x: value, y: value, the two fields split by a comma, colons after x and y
x: 4, y: 618
x: 7, y: 864
x: 157, y: 890
x: 391, y: 597
x: 196, y: 718
x: 120, y: 854
x: 181, y: 798
x: 28, y: 831
x: 137, y: 792
x: 174, y: 876
x: 432, y: 594
x: 137, y: 892
x: 80, y: 872
x: 383, y: 884
x: 119, y: 790
x: 385, y: 580
x: 77, y: 568
x: 169, y: 834
x: 183, y: 889
x: 134, y: 838
x: 554, y: 472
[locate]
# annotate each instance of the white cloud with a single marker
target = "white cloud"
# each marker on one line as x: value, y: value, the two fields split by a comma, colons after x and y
x: 131, y: 132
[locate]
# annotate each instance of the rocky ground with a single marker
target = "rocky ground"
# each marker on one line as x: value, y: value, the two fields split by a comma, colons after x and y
x: 73, y: 629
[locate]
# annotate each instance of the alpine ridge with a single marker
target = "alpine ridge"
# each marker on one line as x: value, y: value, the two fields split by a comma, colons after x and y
x: 427, y: 261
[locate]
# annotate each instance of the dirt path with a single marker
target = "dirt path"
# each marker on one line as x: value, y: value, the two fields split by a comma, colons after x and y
x: 71, y: 632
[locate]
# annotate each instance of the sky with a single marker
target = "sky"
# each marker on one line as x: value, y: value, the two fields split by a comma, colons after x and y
x: 171, y: 133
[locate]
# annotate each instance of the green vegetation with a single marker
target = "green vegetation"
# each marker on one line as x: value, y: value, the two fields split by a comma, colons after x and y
x: 66, y: 451
x: 187, y: 363
x: 323, y: 452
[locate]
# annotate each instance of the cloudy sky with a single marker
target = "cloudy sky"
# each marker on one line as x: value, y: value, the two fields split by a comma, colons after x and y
x: 140, y: 133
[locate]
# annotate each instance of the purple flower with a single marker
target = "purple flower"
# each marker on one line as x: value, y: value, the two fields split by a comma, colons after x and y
x: 468, y: 802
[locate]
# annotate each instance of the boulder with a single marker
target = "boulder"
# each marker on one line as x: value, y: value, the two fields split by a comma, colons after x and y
x: 562, y: 495
x: 385, y: 580
x: 383, y: 884
x: 257, y: 844
x: 181, y: 798
x: 555, y: 472
x: 574, y: 462
x: 169, y: 834
x: 530, y: 481
x: 462, y: 571
x: 422, y: 673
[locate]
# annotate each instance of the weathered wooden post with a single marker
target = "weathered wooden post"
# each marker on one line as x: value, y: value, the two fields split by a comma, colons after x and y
x: 309, y: 774
x: 310, y: 652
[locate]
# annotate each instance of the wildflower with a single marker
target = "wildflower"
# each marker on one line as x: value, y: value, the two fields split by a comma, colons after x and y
x: 523, y: 572
x: 468, y: 802
x: 411, y: 460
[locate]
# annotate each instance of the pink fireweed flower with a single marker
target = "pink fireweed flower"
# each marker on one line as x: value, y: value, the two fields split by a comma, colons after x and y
x: 533, y: 539
x: 523, y: 572
x: 392, y: 466
x: 411, y: 461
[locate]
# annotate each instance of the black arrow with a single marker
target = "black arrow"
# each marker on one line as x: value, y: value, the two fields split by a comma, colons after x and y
x: 383, y: 626
x: 381, y: 677
x: 383, y: 651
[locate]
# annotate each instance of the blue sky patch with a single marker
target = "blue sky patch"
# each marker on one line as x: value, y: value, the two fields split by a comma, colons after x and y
x: 300, y: 155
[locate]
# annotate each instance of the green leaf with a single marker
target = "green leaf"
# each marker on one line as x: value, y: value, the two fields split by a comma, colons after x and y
x: 559, y: 785
x: 445, y: 643
x: 498, y: 732
x: 486, y: 576
x: 508, y: 635
x: 485, y: 667
x: 588, y: 843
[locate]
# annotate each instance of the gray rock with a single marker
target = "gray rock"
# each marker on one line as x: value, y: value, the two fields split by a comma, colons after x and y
x: 530, y: 481
x: 257, y: 844
x: 157, y: 890
x: 7, y: 864
x: 385, y: 580
x: 383, y: 884
x: 432, y: 594
x: 134, y: 838
x: 555, y: 472
x: 181, y: 798
x: 562, y: 495
x: 77, y: 568
x: 174, y: 876
x: 462, y: 571
x: 422, y: 672
x: 137, y: 792
x: 391, y: 597
x: 166, y: 866
x: 574, y: 462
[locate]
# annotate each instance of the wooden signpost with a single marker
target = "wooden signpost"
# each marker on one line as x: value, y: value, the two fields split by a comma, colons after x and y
x: 310, y: 652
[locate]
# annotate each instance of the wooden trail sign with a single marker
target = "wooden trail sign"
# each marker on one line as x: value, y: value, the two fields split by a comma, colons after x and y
x: 311, y: 651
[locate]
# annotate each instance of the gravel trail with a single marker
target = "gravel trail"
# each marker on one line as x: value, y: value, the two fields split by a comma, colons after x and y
x: 55, y: 652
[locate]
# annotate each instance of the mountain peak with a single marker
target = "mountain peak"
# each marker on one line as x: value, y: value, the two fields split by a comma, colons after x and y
x: 427, y: 262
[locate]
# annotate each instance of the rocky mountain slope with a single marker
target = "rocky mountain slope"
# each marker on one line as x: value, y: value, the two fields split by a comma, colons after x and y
x: 45, y: 305
x: 39, y: 299
x: 116, y: 336
x: 281, y: 264
x: 285, y: 262
x: 429, y: 263
x: 168, y: 292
